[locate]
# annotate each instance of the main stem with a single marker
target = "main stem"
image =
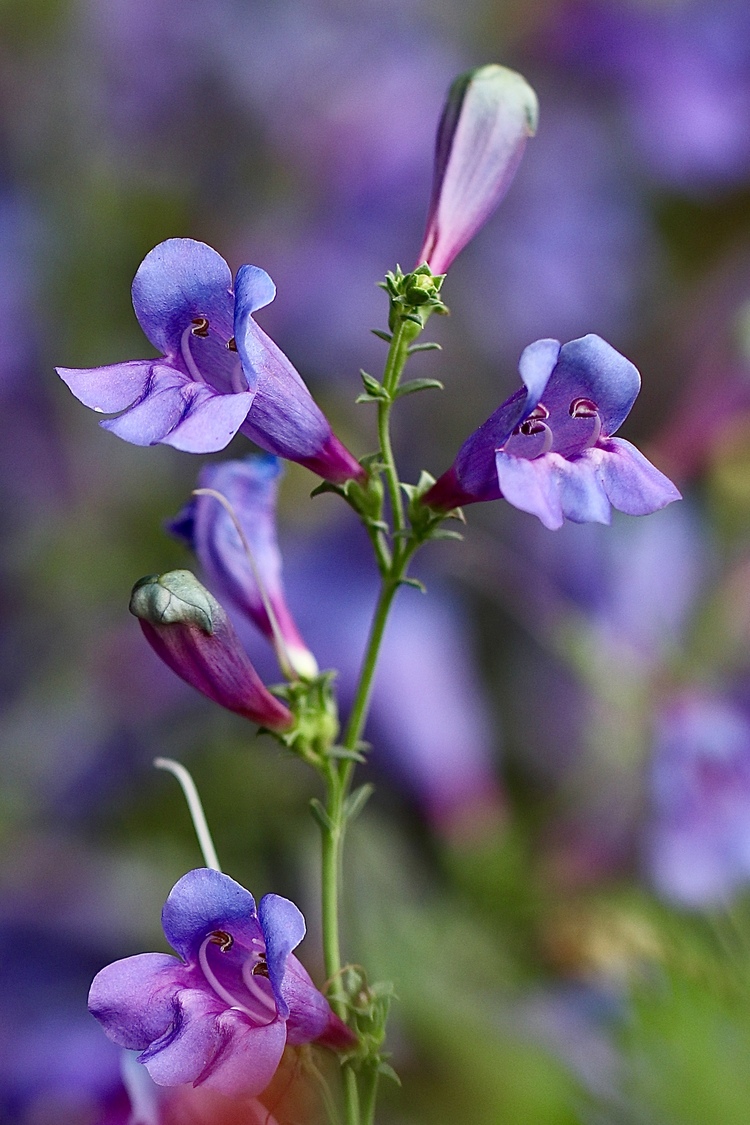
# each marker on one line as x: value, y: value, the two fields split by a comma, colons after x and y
x: 340, y: 771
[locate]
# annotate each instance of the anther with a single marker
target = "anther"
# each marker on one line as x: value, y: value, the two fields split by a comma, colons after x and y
x: 221, y: 938
x: 232, y: 344
x: 539, y: 411
x: 260, y: 969
x: 583, y: 408
x: 532, y: 426
x: 200, y: 326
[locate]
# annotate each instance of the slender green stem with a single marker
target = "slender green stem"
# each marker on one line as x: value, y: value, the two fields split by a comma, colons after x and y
x: 369, y: 1084
x: 391, y: 472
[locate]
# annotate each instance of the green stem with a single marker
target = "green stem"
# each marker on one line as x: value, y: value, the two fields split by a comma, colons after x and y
x: 391, y: 472
x: 369, y: 1083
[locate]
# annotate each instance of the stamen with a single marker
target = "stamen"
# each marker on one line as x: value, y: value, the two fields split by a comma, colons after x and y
x: 531, y: 426
x: 539, y: 411
x: 213, y: 980
x: 583, y: 408
x: 198, y: 327
x: 239, y: 382
x: 221, y: 938
x: 248, y: 975
x: 232, y: 344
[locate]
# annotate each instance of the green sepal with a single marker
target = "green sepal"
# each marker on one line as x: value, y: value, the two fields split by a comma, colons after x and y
x: 413, y: 385
x: 387, y: 1071
x: 387, y: 336
x: 415, y: 582
x: 373, y: 387
x: 445, y: 533
x: 327, y: 486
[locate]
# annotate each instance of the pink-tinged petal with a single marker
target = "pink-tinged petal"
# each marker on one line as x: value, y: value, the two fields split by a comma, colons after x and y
x: 209, y: 420
x: 582, y: 495
x: 160, y: 409
x: 531, y: 486
x: 111, y: 388
x: 177, y: 282
x: 204, y: 900
x: 488, y: 117
x: 191, y: 1044
x: 283, y: 929
x: 248, y: 1056
x: 134, y: 999
x: 631, y: 482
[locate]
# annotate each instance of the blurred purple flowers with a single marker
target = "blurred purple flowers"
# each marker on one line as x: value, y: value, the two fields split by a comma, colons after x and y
x: 218, y: 373
x: 556, y: 458
x: 222, y: 1012
x: 488, y: 117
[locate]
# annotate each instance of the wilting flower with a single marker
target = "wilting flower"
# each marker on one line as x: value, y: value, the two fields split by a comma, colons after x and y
x: 190, y: 631
x: 549, y: 448
x: 219, y: 372
x: 487, y: 118
x: 222, y: 1012
x: 698, y: 845
x: 241, y: 560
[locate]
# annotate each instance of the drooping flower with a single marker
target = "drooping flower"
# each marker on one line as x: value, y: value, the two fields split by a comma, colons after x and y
x: 246, y: 574
x: 221, y: 1013
x: 218, y: 373
x: 549, y: 448
x: 193, y: 635
x: 488, y: 116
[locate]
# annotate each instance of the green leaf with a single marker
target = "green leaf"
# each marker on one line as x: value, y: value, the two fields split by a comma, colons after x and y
x: 415, y: 583
x: 382, y: 335
x: 341, y: 752
x: 444, y: 533
x: 357, y: 800
x: 427, y: 347
x: 326, y: 486
x: 387, y: 1071
x: 413, y: 385
x: 320, y: 814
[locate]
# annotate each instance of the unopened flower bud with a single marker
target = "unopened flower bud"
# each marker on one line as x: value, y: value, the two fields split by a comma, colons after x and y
x: 489, y: 115
x: 193, y: 635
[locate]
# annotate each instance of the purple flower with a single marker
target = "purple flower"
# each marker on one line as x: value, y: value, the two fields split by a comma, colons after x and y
x: 557, y: 458
x: 221, y: 1013
x: 698, y: 849
x: 245, y: 572
x: 488, y: 117
x: 218, y: 372
x: 192, y: 634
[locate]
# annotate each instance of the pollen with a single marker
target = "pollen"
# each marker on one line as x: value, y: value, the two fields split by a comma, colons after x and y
x: 221, y: 938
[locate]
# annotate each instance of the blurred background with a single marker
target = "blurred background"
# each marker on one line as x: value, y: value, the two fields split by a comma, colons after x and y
x: 555, y: 868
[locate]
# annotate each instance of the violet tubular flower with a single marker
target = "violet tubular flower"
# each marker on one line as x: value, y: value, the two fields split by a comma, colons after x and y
x: 488, y: 116
x: 189, y: 630
x: 218, y: 374
x: 245, y: 568
x: 221, y: 1013
x: 549, y: 448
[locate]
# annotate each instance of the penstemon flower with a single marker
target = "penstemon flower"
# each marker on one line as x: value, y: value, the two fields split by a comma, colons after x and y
x: 488, y: 116
x: 219, y: 372
x: 246, y: 574
x: 549, y: 450
x: 221, y: 1013
x: 192, y: 634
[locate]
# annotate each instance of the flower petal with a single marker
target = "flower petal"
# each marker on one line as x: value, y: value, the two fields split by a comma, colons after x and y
x: 283, y: 928
x: 134, y: 999
x: 191, y: 1044
x: 582, y: 495
x: 309, y: 1012
x: 535, y: 366
x: 202, y: 901
x: 209, y: 420
x: 631, y: 482
x: 111, y: 388
x: 178, y: 281
x: 157, y: 413
x: 248, y: 1056
x: 531, y: 486
x: 591, y: 368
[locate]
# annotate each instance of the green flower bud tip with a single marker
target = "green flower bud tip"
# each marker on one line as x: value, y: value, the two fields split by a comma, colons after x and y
x: 174, y: 598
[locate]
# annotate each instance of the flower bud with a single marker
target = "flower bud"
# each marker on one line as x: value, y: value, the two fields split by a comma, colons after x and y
x: 193, y: 635
x: 488, y: 117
